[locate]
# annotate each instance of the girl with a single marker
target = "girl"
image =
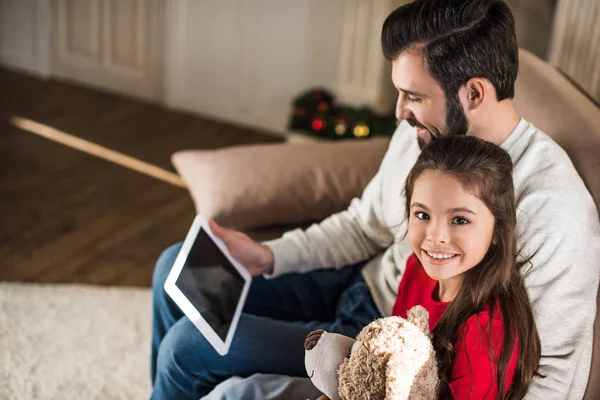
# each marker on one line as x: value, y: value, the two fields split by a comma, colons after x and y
x: 461, y: 212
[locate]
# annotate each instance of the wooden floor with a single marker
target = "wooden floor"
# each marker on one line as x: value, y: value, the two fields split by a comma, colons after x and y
x: 66, y: 216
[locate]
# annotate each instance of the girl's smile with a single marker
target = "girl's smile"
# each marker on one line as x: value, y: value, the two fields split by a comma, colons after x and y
x: 438, y: 257
x: 450, y: 229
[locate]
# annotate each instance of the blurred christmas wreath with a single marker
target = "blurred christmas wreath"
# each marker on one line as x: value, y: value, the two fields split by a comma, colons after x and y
x: 314, y: 112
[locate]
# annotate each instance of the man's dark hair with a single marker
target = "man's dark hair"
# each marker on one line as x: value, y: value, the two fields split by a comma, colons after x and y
x: 459, y: 40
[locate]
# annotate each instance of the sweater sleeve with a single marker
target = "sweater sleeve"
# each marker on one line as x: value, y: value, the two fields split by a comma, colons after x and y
x: 342, y: 239
x: 347, y: 237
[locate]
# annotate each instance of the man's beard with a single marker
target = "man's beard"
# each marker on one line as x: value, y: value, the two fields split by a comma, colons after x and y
x: 416, y: 124
x: 456, y: 122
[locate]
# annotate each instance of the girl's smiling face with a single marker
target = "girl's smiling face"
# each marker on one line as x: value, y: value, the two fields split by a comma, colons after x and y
x: 449, y: 229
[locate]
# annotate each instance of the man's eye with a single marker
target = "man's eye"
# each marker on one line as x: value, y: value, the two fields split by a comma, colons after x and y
x: 414, y: 99
x: 460, y: 221
x: 421, y: 215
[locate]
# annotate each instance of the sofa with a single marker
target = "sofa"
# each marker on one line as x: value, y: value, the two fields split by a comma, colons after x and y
x: 265, y: 190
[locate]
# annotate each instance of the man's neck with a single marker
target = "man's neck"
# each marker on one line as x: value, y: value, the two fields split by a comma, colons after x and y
x: 496, y: 122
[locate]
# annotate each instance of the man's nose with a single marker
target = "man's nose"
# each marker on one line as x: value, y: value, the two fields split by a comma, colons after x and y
x: 401, y: 111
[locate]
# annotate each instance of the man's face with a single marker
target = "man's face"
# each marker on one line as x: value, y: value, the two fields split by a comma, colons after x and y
x: 422, y: 101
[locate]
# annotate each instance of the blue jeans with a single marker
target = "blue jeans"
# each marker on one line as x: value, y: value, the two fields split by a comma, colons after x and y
x: 278, y: 315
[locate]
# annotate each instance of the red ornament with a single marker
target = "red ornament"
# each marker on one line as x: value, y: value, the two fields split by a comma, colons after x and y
x: 300, y: 111
x: 318, y: 124
x: 322, y: 106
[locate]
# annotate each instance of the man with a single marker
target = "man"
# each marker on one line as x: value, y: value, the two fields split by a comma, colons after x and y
x: 454, y: 63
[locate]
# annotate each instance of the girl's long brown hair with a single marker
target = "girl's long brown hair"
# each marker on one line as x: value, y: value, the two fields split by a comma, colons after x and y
x: 485, y: 170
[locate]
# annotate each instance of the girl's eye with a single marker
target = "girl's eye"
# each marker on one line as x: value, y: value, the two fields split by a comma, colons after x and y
x: 421, y: 215
x: 460, y: 221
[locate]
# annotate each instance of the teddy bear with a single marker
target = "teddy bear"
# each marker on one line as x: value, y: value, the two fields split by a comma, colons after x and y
x: 392, y: 358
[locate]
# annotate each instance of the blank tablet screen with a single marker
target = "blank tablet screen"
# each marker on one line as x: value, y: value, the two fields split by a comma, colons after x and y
x: 211, y: 284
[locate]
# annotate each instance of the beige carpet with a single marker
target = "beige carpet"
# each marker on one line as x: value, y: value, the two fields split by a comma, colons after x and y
x: 74, y: 342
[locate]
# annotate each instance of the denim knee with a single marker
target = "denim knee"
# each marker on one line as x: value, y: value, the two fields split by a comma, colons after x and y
x: 163, y: 266
x: 180, y: 358
x: 180, y: 341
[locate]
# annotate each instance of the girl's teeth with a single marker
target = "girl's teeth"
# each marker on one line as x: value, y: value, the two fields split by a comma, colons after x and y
x: 438, y: 256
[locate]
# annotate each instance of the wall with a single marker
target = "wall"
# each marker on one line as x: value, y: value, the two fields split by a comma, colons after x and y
x: 25, y: 35
x: 245, y: 61
x: 533, y: 21
x: 113, y: 45
x: 239, y: 60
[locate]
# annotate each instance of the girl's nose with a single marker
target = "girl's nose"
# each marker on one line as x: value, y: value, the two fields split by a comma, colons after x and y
x: 437, y: 233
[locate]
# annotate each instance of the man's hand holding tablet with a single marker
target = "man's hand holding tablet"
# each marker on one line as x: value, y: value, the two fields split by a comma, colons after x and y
x: 257, y: 258
x: 208, y: 282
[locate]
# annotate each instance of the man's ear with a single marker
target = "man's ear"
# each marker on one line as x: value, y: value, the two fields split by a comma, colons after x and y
x: 473, y: 93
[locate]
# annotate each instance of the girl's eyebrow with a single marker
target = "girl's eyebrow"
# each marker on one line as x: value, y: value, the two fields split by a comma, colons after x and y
x: 460, y: 209
x: 449, y: 211
x: 416, y: 204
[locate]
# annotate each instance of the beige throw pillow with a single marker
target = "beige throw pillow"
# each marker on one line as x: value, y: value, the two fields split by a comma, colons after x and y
x: 263, y: 185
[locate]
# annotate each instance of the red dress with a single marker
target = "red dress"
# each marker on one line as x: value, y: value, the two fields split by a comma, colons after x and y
x: 473, y: 371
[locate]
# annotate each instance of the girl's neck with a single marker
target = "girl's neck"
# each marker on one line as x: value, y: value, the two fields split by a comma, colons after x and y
x: 448, y: 289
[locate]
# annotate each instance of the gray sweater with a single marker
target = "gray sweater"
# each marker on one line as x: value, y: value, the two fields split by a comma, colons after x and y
x: 558, y: 225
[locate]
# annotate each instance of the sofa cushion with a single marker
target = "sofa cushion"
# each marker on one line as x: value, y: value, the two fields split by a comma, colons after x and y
x: 262, y: 185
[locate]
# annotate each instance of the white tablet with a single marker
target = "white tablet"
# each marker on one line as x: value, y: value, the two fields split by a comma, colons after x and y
x: 209, y: 285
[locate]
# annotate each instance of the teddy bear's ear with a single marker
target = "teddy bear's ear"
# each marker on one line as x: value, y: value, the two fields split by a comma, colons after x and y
x: 419, y: 316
